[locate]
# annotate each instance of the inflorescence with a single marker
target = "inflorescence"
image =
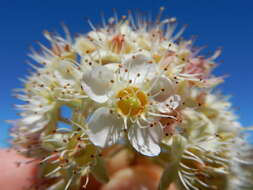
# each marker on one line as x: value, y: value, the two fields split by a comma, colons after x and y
x: 137, y: 84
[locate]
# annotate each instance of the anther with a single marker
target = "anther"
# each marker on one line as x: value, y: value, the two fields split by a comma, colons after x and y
x: 66, y: 47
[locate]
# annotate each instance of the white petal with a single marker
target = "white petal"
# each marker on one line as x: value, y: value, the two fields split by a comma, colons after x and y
x: 161, y: 88
x: 96, y: 83
x: 126, y: 30
x: 38, y: 126
x: 112, y: 66
x: 172, y: 103
x: 62, y: 80
x: 146, y: 140
x: 97, y: 36
x: 28, y: 120
x: 138, y: 69
x: 105, y: 56
x: 104, y: 127
x: 83, y: 44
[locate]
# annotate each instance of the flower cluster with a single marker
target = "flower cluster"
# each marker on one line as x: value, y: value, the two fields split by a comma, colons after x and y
x: 138, y: 84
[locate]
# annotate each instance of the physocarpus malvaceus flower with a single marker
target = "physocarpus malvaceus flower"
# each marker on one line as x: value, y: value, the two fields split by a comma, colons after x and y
x: 138, y: 85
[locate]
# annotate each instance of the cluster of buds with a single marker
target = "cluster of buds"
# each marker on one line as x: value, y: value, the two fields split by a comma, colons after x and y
x: 136, y: 85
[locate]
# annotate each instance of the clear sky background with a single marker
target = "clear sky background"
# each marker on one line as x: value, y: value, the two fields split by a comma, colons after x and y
x: 216, y: 23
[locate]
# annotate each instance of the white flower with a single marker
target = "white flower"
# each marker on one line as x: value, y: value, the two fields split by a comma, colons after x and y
x: 35, y: 114
x: 134, y: 97
x: 45, y: 92
x: 205, y: 149
x: 61, y: 49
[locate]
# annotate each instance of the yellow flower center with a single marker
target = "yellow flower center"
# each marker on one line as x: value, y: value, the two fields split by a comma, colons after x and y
x: 132, y: 101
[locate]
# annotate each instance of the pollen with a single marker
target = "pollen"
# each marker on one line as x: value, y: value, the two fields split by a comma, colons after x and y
x: 132, y: 101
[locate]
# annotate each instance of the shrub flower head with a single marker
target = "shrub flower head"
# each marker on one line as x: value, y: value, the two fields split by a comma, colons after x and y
x: 136, y: 84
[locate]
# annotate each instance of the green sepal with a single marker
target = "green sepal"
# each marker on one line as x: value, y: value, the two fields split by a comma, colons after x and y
x: 169, y: 176
x: 98, y: 170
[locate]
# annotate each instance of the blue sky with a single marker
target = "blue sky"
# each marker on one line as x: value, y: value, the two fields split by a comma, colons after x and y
x: 216, y: 23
